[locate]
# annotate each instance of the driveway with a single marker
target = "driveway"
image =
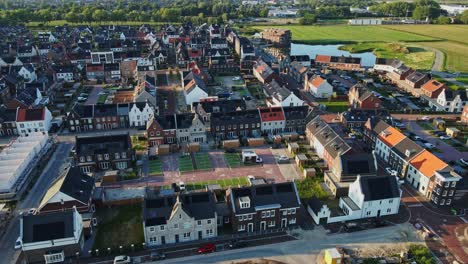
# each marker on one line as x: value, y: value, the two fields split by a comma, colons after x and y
x: 448, y: 153
x: 94, y: 95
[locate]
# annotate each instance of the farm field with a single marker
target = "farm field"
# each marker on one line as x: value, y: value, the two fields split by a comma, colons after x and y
x: 455, y: 33
x: 412, y: 55
x: 456, y: 54
x: 348, y: 34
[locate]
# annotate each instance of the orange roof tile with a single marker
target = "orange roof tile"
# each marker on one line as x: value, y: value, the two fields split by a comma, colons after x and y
x: 322, y: 58
x: 317, y: 81
x: 432, y: 86
x: 427, y: 163
x: 390, y: 136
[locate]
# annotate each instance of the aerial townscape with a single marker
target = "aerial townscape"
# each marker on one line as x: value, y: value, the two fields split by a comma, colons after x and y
x: 236, y: 132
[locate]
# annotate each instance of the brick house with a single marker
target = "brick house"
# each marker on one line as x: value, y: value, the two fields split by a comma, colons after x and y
x: 236, y: 124
x: 100, y: 153
x: 263, y: 207
x: 360, y: 97
x: 432, y: 89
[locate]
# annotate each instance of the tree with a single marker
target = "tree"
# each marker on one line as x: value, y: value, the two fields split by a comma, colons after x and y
x: 99, y: 15
x: 464, y: 17
x: 443, y: 20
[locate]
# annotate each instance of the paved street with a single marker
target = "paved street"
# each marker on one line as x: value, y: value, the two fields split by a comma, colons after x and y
x: 53, y: 169
x: 307, y: 248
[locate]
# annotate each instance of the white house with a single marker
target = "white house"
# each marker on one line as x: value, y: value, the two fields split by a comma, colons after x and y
x: 33, y: 120
x: 319, y: 87
x: 139, y: 114
x: 280, y: 95
x: 194, y: 90
x: 28, y: 73
x: 450, y: 101
x: 46, y: 37
x: 273, y: 120
x: 386, y: 65
x: 386, y: 140
x: 64, y: 74
x: 179, y: 218
x: 53, y: 237
x: 422, y: 168
x: 368, y: 196
x: 197, y: 130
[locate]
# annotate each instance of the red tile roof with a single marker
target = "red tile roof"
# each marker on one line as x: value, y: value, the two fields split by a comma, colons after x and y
x: 25, y: 115
x: 427, y: 163
x: 390, y: 136
x: 271, y: 114
x: 322, y: 58
x: 317, y: 81
x: 432, y: 86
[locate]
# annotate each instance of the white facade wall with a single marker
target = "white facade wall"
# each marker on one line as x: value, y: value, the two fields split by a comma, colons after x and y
x: 273, y: 127
x: 137, y: 117
x: 28, y: 127
x: 382, y: 150
x: 419, y: 181
x: 65, y: 76
x: 194, y: 95
x: 324, y: 90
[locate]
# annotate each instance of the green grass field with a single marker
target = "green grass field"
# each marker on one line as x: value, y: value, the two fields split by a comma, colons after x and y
x: 224, y: 183
x: 155, y: 167
x: 411, y: 55
x: 348, y: 34
x: 113, y: 222
x: 448, y: 84
x: 185, y: 164
x: 336, y: 107
x: 463, y: 79
x: 233, y: 159
x: 203, y: 161
x: 455, y: 33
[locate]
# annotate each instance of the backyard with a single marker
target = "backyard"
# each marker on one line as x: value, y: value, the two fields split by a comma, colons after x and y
x: 155, y: 167
x: 202, y: 161
x: 233, y: 159
x: 119, y: 226
x: 185, y: 163
x: 310, y: 187
x: 335, y: 107
x: 224, y: 183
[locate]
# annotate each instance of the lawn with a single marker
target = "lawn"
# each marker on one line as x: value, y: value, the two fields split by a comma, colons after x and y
x: 412, y: 55
x: 139, y: 143
x: 425, y: 125
x: 234, y: 160
x: 463, y: 79
x: 337, y: 34
x: 310, y: 187
x: 203, y: 161
x: 336, y: 107
x: 185, y: 164
x: 102, y: 98
x: 224, y: 183
x: 447, y: 83
x: 155, y: 167
x: 119, y: 226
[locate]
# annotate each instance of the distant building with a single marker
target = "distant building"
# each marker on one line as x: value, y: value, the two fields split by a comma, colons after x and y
x: 365, y: 21
x: 279, y: 37
x: 454, y: 9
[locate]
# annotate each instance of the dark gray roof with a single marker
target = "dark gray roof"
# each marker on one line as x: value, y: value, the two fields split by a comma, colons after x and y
x: 274, y: 89
x: 337, y: 147
x: 379, y: 188
x: 315, y: 204
x: 184, y: 121
x: 282, y: 194
x: 222, y: 106
x: 236, y: 117
x: 407, y: 149
x: 46, y: 227
x: 199, y: 205
x: 102, y: 144
x: 358, y: 163
x: 78, y: 185
x: 83, y: 111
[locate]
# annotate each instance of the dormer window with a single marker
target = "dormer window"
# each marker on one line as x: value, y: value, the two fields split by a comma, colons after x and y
x: 244, y: 202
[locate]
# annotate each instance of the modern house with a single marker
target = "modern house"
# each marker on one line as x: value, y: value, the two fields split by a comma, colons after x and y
x: 107, y: 152
x: 51, y: 238
x: 279, y: 95
x: 263, y: 207
x: 366, y: 198
x: 175, y: 218
x: 273, y: 120
x: 33, y: 120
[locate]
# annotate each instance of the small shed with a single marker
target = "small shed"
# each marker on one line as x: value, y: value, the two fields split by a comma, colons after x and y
x: 309, y: 172
x: 293, y: 147
x: 301, y: 159
x: 231, y: 143
x: 249, y: 156
x: 439, y: 123
x: 332, y: 256
x: 452, y: 132
x: 254, y: 142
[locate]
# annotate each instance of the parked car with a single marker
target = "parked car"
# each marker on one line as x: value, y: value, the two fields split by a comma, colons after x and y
x: 237, y: 244
x: 154, y: 255
x: 236, y: 78
x: 426, y: 118
x: 391, y: 172
x: 18, y: 243
x: 464, y: 162
x: 82, y: 99
x: 122, y: 259
x: 416, y: 137
x: 207, y: 248
x: 182, y: 186
x: 445, y: 137
x: 283, y: 159
x: 439, y: 133
x: 259, y: 160
x: 429, y: 145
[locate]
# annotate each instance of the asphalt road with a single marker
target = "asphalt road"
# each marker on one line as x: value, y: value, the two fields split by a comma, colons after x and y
x: 307, y: 248
x: 53, y: 169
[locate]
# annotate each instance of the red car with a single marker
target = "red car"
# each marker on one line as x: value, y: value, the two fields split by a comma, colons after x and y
x: 207, y: 248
